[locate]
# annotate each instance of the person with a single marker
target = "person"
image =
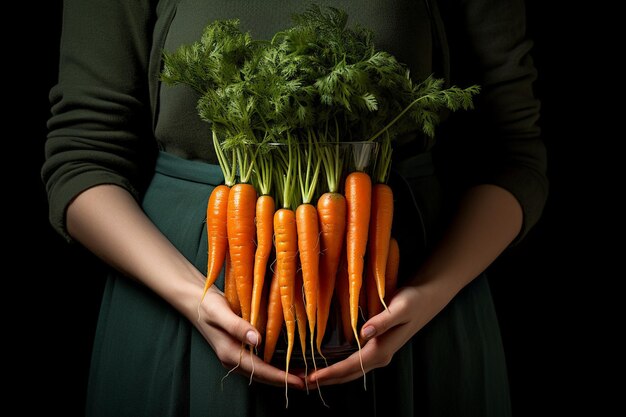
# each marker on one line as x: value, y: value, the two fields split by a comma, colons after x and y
x: 129, y: 168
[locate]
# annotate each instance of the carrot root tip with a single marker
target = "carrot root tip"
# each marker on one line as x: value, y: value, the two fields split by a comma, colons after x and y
x: 362, y: 313
x: 356, y: 336
x: 319, y: 392
x: 252, y: 362
x: 384, y: 304
x: 233, y: 368
x: 199, y: 304
x: 319, y: 389
x: 286, y: 391
x: 323, y: 357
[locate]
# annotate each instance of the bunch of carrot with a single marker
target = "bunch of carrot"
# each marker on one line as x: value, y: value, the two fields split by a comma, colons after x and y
x: 309, y: 236
x: 281, y: 112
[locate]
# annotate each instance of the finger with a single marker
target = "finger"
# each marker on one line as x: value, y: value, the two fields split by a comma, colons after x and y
x: 339, y: 373
x: 236, y: 357
x: 388, y: 319
x: 268, y: 374
x: 225, y: 332
x: 219, y: 314
x: 346, y: 370
x: 376, y: 353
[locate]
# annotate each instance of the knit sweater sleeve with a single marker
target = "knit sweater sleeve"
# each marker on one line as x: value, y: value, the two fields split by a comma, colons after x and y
x: 99, y: 130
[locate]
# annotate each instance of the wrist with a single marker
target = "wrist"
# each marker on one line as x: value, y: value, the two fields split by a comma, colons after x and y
x: 185, y: 293
x: 440, y: 288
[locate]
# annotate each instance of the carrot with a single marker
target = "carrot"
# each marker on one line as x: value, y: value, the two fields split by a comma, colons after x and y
x: 286, y: 242
x: 230, y: 289
x: 363, y: 296
x: 372, y: 302
x: 358, y: 190
x: 331, y: 211
x: 342, y: 296
x: 262, y: 319
x: 308, y: 245
x: 379, y: 235
x: 301, y: 316
x: 216, y: 212
x: 264, y: 232
x: 274, y: 319
x: 241, y: 231
x: 391, y: 271
x: 217, y: 218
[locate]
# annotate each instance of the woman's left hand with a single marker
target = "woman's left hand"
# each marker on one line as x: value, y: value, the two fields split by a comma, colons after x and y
x: 488, y: 220
x: 409, y: 310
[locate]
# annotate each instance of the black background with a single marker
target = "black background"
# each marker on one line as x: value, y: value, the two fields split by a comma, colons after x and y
x: 552, y: 292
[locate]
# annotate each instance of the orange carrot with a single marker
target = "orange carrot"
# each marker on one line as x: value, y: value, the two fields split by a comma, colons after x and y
x: 286, y: 242
x: 217, y: 238
x: 391, y: 271
x: 262, y: 318
x: 241, y: 233
x: 372, y: 302
x: 308, y: 246
x: 301, y: 314
x: 363, y: 295
x: 358, y: 191
x: 264, y: 232
x: 230, y: 289
x: 379, y: 235
x: 342, y: 296
x: 274, y: 319
x: 331, y: 211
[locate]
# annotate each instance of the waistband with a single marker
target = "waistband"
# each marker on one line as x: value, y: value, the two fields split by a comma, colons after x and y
x: 416, y: 166
x: 187, y: 170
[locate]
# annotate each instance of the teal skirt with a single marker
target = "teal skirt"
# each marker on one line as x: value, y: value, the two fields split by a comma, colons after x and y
x: 148, y: 360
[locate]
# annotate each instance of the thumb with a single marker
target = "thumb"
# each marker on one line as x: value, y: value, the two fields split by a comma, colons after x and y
x: 247, y: 333
x: 241, y: 329
x: 378, y: 324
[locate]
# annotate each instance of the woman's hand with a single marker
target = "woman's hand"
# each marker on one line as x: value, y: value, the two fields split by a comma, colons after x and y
x: 488, y: 220
x: 109, y: 222
x: 231, y: 337
x: 384, y: 334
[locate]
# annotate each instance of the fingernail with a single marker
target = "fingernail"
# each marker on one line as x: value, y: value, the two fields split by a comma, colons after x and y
x: 368, y: 332
x: 251, y: 337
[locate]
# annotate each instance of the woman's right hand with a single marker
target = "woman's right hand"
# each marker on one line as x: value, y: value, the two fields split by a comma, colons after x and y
x: 231, y: 337
x: 110, y: 223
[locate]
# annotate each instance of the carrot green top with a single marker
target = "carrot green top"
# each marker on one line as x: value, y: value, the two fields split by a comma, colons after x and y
x: 110, y: 113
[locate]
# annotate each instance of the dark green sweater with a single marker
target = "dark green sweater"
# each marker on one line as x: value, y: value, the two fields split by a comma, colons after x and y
x: 110, y: 113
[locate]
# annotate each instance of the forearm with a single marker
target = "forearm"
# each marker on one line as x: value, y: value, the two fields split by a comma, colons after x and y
x: 109, y: 222
x: 488, y: 220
